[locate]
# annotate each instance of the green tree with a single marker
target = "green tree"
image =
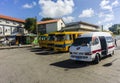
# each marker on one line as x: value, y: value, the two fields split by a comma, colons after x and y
x: 47, y: 18
x: 30, y: 25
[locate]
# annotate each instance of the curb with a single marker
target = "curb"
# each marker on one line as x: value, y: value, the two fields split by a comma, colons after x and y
x: 3, y: 48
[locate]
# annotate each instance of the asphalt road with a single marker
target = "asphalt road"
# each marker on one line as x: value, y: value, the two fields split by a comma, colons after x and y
x: 27, y: 65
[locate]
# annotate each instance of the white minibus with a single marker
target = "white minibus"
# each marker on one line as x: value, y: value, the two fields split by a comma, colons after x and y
x: 92, y: 46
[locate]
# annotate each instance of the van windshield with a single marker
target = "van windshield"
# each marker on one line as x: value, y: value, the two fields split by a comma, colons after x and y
x: 82, y: 41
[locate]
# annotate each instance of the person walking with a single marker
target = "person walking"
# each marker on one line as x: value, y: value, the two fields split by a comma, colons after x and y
x: 115, y: 42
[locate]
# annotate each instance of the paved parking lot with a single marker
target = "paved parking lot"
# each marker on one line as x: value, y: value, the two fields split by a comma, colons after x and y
x: 27, y: 65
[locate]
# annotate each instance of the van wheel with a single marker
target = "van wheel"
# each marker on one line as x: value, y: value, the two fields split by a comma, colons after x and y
x: 97, y: 59
x: 112, y: 54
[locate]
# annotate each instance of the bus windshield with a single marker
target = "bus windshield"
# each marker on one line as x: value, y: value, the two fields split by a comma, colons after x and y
x: 43, y: 38
x: 82, y: 41
x: 60, y: 37
x: 51, y: 37
x: 63, y: 37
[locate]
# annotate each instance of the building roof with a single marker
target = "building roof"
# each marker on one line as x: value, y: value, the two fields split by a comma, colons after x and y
x: 89, y: 24
x: 80, y: 22
x: 11, y: 18
x: 48, y: 21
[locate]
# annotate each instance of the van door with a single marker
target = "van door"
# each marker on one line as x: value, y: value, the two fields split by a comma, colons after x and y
x: 103, y: 45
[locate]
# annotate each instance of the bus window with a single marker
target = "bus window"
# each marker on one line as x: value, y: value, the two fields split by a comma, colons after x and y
x: 68, y: 37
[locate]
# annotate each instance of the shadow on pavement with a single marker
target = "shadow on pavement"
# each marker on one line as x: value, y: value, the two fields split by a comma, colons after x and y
x: 43, y: 51
x: 117, y: 48
x: 48, y: 52
x: 36, y: 49
x: 71, y: 64
x: 110, y: 63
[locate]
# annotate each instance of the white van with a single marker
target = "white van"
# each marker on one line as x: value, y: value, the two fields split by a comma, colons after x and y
x: 92, y: 46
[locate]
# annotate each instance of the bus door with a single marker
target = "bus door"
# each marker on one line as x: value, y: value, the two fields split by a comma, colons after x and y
x: 74, y: 37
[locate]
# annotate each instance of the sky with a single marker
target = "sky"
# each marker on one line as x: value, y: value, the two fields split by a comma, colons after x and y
x: 99, y: 12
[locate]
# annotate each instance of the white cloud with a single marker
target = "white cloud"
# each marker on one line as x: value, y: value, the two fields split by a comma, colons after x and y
x: 108, y: 5
x: 87, y: 13
x: 107, y: 25
x: 34, y: 3
x: 68, y: 19
x: 29, y: 5
x: 105, y: 17
x: 105, y: 5
x: 101, y: 14
x: 99, y: 22
x: 56, y: 9
x: 108, y: 18
x: 115, y: 3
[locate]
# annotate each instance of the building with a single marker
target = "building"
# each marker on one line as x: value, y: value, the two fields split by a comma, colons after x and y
x: 12, y: 28
x: 115, y: 28
x: 81, y: 26
x: 50, y: 26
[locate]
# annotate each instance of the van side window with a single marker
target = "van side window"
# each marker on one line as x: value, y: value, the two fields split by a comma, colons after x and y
x: 109, y: 39
x: 96, y: 41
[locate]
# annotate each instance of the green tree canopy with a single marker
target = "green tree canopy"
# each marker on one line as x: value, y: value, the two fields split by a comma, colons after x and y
x: 47, y: 18
x: 30, y: 25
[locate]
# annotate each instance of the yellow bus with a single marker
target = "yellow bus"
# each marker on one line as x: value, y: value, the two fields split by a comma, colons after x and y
x: 64, y: 40
x: 43, y: 40
x: 51, y: 40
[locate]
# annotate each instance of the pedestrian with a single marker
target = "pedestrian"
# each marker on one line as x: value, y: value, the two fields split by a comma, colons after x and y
x: 115, y: 42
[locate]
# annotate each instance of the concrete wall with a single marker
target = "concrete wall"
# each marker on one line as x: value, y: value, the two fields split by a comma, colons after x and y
x: 8, y: 27
x: 52, y: 27
x: 60, y: 24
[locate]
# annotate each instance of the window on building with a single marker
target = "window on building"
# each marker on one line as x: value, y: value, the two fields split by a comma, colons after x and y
x: 61, y: 24
x: 1, y: 30
x: 0, y: 20
x: 14, y: 23
x: 7, y: 21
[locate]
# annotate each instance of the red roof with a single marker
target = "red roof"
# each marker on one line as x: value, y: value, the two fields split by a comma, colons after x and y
x: 48, y: 21
x: 11, y: 18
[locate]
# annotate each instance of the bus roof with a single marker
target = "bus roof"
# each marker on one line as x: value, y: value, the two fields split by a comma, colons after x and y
x: 67, y: 32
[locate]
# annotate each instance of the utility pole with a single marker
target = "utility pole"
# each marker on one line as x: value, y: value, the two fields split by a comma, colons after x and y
x: 36, y: 26
x: 102, y: 27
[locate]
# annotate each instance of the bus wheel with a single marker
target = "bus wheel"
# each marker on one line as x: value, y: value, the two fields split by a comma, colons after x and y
x: 97, y: 59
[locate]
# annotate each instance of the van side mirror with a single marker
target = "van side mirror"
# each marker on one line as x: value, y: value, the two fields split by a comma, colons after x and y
x: 90, y: 43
